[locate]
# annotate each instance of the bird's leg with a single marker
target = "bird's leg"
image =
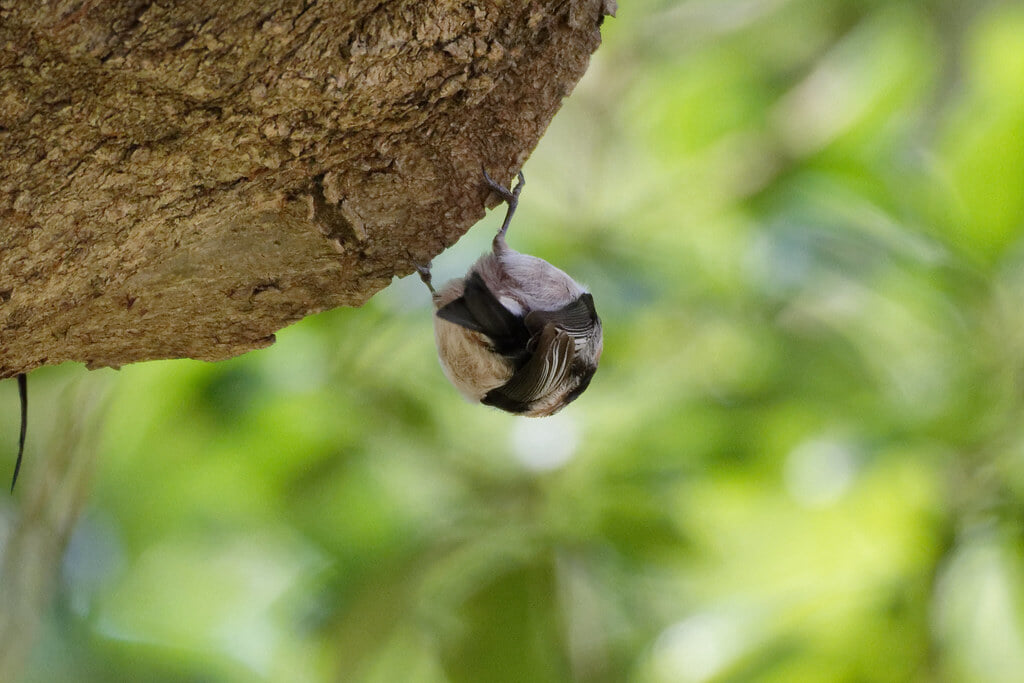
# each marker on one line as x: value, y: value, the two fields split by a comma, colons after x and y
x: 510, y: 197
x: 424, y: 272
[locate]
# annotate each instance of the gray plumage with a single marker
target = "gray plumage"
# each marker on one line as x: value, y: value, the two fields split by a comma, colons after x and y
x: 516, y: 333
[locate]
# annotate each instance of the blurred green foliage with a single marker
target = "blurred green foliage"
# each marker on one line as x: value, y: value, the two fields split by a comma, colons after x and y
x: 801, y: 460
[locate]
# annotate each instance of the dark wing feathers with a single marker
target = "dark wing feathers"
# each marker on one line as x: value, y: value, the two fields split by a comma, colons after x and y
x: 547, y: 369
x: 479, y: 310
x: 577, y: 318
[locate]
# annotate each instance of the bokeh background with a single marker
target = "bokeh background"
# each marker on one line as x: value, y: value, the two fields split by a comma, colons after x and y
x: 802, y: 458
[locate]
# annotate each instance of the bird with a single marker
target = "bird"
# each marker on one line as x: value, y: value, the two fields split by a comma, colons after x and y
x: 516, y: 333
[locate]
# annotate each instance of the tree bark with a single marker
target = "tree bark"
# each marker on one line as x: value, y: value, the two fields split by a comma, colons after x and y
x: 184, y: 179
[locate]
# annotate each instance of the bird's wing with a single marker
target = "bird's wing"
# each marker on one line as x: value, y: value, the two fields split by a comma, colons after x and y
x: 479, y: 310
x: 546, y: 370
x: 577, y: 318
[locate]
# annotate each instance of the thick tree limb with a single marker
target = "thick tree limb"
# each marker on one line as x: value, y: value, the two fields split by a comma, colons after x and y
x: 184, y: 180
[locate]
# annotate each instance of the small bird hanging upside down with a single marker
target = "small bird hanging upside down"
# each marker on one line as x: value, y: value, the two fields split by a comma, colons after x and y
x: 516, y: 333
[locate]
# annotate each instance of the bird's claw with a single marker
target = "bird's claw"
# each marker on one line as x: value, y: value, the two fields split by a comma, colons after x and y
x: 424, y: 271
x: 510, y: 196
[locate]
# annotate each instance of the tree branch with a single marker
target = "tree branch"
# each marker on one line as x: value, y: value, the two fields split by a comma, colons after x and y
x: 183, y: 181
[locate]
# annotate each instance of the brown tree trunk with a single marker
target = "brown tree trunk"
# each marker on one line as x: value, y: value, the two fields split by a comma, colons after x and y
x: 184, y: 179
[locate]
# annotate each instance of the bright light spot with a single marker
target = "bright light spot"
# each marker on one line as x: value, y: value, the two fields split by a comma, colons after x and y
x: 696, y: 649
x: 545, y: 444
x: 819, y: 471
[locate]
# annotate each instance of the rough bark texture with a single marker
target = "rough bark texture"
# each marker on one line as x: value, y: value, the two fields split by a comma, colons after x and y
x: 183, y: 179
